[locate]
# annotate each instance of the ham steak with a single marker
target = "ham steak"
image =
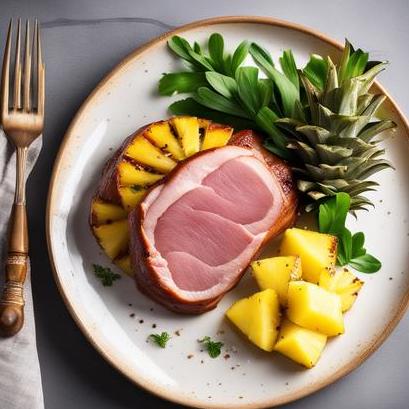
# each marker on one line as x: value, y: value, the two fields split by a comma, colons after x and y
x: 193, y: 236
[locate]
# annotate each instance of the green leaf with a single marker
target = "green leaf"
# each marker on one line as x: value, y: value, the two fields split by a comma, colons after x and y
x: 223, y: 84
x: 211, y: 99
x: 265, y: 87
x: 265, y: 118
x: 335, y: 211
x: 216, y: 51
x: 316, y: 71
x: 344, y: 246
x: 180, y: 47
x: 358, y: 241
x: 247, y: 81
x: 239, y: 56
x: 366, y: 264
x: 287, y: 90
x: 289, y: 68
x: 181, y: 82
x: 189, y: 106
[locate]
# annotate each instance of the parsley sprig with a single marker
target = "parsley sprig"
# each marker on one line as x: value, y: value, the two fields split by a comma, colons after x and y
x: 160, y: 339
x: 105, y: 274
x: 331, y: 219
x: 213, y: 347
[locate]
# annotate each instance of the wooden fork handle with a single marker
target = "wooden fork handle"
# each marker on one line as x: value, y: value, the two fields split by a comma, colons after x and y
x: 12, y: 299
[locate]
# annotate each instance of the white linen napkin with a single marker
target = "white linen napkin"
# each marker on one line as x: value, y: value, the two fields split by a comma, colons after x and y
x: 20, y: 378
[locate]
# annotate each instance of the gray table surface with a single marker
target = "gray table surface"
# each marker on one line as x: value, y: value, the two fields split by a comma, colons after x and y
x: 83, y: 40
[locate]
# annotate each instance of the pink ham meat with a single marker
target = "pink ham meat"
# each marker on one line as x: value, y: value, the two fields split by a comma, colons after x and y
x: 193, y: 236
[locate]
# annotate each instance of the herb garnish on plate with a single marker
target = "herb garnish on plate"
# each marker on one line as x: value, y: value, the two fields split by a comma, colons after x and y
x: 213, y: 347
x: 160, y: 339
x: 105, y: 274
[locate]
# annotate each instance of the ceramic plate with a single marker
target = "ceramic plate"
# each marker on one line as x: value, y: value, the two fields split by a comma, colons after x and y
x: 117, y: 320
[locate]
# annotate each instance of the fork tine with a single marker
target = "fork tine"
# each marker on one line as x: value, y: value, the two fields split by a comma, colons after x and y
x: 6, y: 74
x: 27, y: 70
x: 17, y: 69
x: 40, y: 72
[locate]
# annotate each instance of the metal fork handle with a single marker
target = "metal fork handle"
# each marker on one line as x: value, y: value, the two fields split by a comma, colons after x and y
x: 12, y: 299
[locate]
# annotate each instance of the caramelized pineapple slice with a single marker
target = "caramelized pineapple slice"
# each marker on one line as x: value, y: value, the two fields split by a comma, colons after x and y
x: 145, y: 153
x: 129, y: 175
x: 318, y: 251
x: 276, y: 273
x: 257, y: 317
x: 187, y: 129
x: 161, y: 135
x: 343, y: 283
x: 131, y: 196
x: 103, y: 212
x: 300, y: 344
x: 113, y: 237
x: 124, y: 263
x: 216, y: 136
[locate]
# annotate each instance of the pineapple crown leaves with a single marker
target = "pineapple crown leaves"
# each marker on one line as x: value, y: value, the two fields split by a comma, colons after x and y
x: 335, y: 146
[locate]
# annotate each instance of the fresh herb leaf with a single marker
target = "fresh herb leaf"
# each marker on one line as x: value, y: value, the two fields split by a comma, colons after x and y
x: 181, y: 82
x: 289, y: 68
x: 105, y: 274
x: 331, y: 219
x: 213, y: 100
x: 366, y: 264
x: 160, y: 339
x: 216, y: 51
x: 213, y: 347
x: 239, y: 56
x: 223, y: 84
x: 248, y: 88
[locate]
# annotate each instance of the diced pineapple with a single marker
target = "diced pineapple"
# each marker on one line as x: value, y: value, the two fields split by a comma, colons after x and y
x: 315, y: 308
x: 276, y: 273
x: 103, y: 212
x: 130, y: 175
x: 124, y: 263
x: 131, y: 196
x: 258, y: 318
x: 216, y: 136
x: 343, y: 283
x: 318, y: 251
x: 145, y: 153
x: 161, y: 135
x: 187, y: 128
x: 113, y: 237
x: 300, y: 344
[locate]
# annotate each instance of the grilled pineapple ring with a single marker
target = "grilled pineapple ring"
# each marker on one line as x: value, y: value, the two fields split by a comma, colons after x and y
x: 145, y: 159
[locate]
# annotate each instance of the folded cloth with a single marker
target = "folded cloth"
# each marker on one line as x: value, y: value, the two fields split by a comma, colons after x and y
x: 20, y: 377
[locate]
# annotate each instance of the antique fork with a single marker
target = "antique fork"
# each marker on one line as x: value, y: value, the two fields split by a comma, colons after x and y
x: 22, y: 118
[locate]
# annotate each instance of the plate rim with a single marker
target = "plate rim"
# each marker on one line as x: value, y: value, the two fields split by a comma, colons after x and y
x: 151, y: 387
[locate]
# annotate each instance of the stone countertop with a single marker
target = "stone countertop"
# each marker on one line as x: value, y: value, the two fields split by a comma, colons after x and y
x: 83, y: 40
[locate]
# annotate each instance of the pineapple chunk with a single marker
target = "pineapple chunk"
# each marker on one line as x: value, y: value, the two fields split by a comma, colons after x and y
x: 314, y: 308
x: 187, y: 128
x: 130, y: 175
x: 318, y: 251
x: 300, y: 344
x: 343, y: 283
x: 161, y: 135
x: 131, y: 196
x: 276, y: 273
x: 113, y: 237
x: 216, y: 136
x: 144, y: 152
x: 104, y: 212
x: 124, y: 263
x: 257, y: 317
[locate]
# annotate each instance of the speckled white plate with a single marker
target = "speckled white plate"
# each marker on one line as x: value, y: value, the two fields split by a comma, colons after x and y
x: 117, y: 320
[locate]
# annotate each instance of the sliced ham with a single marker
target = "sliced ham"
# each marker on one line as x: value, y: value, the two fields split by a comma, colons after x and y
x: 193, y: 236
